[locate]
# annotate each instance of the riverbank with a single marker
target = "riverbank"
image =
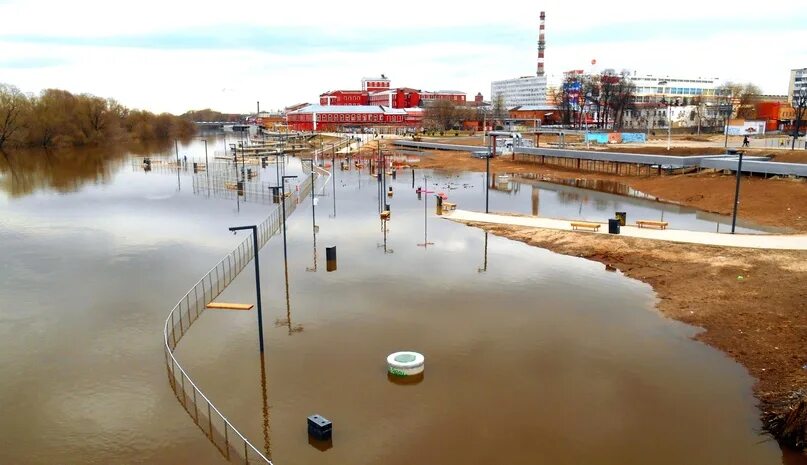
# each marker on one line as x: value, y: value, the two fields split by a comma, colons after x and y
x: 752, y: 304
x: 770, y: 202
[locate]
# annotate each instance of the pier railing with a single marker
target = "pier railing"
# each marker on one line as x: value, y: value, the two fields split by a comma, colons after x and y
x: 233, y: 445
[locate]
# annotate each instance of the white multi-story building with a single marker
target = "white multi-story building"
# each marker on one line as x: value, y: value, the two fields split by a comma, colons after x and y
x: 653, y: 88
x: 528, y: 90
x: 798, y: 80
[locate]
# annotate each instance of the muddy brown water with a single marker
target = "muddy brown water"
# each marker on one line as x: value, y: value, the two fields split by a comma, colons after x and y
x: 531, y: 357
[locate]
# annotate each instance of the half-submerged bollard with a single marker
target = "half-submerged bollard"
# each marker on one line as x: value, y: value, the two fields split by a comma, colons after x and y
x: 330, y: 258
x: 320, y: 427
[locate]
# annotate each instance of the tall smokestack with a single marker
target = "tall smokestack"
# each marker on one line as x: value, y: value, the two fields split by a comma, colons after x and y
x: 541, y: 45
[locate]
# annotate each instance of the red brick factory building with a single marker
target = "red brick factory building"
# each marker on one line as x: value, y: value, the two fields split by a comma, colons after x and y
x: 376, y: 104
x: 347, y: 117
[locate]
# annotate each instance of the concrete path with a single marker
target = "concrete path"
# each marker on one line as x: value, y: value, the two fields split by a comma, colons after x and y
x: 753, y: 241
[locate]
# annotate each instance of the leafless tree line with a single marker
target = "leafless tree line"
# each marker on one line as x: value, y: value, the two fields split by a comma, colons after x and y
x: 58, y: 118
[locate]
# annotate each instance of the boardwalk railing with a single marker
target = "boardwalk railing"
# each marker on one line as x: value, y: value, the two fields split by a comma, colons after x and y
x: 233, y: 445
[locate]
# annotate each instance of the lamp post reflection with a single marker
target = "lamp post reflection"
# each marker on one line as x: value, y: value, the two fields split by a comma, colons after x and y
x: 484, y: 266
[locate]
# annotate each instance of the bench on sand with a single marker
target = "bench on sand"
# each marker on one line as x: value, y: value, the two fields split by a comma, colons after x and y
x: 585, y: 225
x: 449, y: 206
x: 651, y: 224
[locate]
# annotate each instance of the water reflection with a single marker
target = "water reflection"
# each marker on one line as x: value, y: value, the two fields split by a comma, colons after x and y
x: 542, y: 340
x: 25, y: 172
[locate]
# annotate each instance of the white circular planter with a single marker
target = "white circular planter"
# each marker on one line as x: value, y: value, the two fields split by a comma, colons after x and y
x: 406, y: 363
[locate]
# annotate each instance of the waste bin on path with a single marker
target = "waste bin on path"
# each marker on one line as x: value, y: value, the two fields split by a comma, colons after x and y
x: 613, y: 226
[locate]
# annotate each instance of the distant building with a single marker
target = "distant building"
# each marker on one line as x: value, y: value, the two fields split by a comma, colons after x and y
x: 798, y: 80
x: 653, y: 88
x: 452, y: 95
x: 396, y: 98
x: 533, y: 115
x: 344, y: 97
x: 333, y: 117
x: 377, y: 91
x: 375, y: 84
x: 528, y: 90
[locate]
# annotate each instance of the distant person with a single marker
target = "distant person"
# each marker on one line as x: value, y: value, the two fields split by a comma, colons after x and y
x: 745, y: 141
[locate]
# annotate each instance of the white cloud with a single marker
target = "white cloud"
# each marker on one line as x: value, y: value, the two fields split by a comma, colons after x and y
x: 232, y: 79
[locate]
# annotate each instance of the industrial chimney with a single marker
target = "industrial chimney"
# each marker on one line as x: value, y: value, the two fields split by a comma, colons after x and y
x: 541, y: 45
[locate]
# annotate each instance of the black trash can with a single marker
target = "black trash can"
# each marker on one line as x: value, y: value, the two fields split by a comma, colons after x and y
x: 613, y: 226
x: 622, y: 217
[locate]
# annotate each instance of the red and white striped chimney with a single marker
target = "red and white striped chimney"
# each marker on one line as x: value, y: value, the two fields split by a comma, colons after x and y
x: 541, y: 45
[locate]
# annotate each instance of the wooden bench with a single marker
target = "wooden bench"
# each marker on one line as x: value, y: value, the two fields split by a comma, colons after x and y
x: 585, y: 225
x: 228, y: 306
x: 385, y: 215
x: 449, y: 206
x: 652, y: 224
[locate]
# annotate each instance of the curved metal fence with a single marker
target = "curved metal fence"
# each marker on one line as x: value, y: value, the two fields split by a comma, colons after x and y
x: 233, y: 445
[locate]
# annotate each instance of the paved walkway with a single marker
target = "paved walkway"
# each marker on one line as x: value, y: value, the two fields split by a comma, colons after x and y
x: 753, y: 241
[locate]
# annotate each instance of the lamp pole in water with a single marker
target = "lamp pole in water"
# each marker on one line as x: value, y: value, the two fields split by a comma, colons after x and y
x: 283, y: 203
x: 257, y: 276
x: 737, y: 191
x: 313, y: 210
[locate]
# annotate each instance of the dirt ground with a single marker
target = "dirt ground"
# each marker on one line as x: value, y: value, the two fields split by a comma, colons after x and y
x: 752, y: 304
x: 771, y: 202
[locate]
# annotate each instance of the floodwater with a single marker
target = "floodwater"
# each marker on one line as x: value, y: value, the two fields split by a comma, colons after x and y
x: 531, y: 357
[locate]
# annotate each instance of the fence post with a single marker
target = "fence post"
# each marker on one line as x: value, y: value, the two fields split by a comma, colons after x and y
x: 226, y: 440
x: 173, y: 332
x: 181, y: 326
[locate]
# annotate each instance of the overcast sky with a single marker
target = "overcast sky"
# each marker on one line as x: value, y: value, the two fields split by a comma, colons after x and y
x: 174, y: 56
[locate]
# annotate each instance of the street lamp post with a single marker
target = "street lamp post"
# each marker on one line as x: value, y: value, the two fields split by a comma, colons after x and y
x: 487, y: 181
x: 669, y: 115
x: 283, y: 206
x: 257, y: 276
x: 726, y: 124
x: 737, y: 191
x: 313, y: 211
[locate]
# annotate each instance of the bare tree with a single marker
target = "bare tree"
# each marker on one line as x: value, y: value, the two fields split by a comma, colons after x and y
x: 622, y: 98
x: 740, y: 97
x: 442, y: 115
x: 499, y: 110
x: 800, y: 105
x: 13, y: 104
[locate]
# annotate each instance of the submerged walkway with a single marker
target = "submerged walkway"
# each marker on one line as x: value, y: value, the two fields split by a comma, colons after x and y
x: 752, y: 241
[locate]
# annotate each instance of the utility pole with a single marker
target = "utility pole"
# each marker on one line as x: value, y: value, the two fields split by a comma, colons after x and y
x: 737, y: 191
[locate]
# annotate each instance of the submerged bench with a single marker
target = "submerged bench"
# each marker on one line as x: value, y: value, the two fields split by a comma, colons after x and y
x: 585, y: 225
x: 652, y: 224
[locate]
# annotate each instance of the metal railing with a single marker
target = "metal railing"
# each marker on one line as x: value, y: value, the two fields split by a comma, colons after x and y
x: 233, y: 445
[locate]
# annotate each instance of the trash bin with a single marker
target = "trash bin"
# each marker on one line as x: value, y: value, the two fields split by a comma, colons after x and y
x: 613, y: 226
x: 622, y: 217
